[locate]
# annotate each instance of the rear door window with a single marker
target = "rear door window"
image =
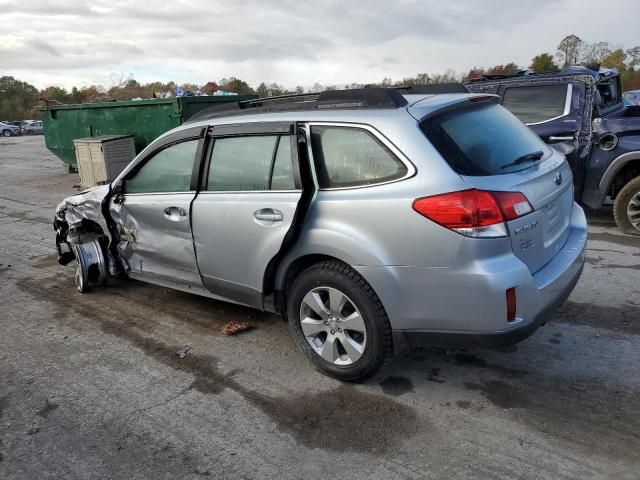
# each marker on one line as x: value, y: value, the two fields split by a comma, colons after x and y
x: 536, y: 104
x: 483, y: 140
x: 351, y: 156
x: 251, y: 163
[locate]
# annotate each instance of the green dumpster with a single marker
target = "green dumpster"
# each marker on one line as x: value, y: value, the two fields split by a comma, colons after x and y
x: 144, y: 119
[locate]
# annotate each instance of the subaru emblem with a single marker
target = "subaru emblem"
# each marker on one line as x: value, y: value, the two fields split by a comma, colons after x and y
x: 558, y: 178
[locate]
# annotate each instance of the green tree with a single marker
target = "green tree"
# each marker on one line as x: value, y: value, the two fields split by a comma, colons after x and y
x: 57, y: 94
x: 615, y: 59
x: 17, y: 99
x: 543, y: 63
x: 235, y: 85
x: 506, y: 69
x: 262, y: 90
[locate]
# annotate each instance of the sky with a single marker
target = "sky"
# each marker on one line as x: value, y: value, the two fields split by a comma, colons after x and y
x: 66, y: 43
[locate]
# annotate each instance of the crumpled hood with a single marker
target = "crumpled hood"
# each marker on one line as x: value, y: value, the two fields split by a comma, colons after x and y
x: 86, y: 205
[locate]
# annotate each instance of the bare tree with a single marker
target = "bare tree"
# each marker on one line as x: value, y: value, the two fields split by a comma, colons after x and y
x: 594, y: 53
x: 569, y: 50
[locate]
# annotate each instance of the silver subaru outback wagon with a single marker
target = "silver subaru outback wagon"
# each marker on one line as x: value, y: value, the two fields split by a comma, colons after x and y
x: 373, y: 220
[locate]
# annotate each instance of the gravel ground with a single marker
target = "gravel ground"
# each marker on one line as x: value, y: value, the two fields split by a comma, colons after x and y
x: 91, y: 387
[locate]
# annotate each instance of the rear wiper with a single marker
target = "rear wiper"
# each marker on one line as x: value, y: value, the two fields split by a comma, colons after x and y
x: 528, y: 157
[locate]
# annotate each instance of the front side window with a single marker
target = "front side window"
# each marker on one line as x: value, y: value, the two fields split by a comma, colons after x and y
x: 349, y: 157
x: 169, y: 170
x: 251, y: 163
x: 536, y: 104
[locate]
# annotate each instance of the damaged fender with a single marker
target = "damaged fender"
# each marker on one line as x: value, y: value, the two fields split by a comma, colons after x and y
x: 83, y: 234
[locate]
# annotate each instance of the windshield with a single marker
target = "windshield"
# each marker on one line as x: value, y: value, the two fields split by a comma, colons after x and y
x: 484, y: 140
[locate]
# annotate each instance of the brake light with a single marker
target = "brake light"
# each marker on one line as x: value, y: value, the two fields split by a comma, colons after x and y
x: 474, y: 213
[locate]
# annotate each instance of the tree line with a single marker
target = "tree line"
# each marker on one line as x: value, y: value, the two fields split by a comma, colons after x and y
x: 19, y: 100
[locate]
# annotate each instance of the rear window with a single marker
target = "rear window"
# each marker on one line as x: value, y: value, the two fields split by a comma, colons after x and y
x: 536, y: 104
x: 484, y: 140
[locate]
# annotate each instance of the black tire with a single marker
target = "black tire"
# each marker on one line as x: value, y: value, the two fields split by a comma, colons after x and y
x: 6, y: 133
x: 378, y: 342
x: 631, y: 191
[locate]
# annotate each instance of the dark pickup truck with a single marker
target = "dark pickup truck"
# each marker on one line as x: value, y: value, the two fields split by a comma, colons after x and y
x: 580, y: 112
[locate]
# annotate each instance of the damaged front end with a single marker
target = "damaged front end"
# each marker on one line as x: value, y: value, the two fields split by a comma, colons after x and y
x: 83, y: 233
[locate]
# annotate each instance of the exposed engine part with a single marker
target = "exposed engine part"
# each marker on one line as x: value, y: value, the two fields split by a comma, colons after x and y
x: 91, y: 270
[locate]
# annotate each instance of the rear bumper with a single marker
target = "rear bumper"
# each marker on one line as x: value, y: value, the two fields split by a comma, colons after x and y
x: 403, y: 339
x: 465, y: 305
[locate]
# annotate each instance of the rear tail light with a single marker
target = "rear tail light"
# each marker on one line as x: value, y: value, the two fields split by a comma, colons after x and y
x: 474, y: 213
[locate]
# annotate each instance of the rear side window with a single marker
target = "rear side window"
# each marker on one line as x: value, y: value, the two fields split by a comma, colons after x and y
x: 169, y: 170
x: 536, y: 104
x: 350, y: 156
x: 484, y: 140
x: 251, y: 163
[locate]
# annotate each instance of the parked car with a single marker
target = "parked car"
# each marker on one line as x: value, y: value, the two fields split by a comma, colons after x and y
x: 580, y: 112
x: 631, y: 98
x: 32, y: 128
x: 373, y: 220
x: 8, y: 130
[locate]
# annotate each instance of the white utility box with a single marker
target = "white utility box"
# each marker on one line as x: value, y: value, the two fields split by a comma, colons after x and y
x: 100, y: 159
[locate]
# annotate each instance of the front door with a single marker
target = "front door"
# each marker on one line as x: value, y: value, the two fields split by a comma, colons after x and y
x: 152, y: 216
x: 247, y: 204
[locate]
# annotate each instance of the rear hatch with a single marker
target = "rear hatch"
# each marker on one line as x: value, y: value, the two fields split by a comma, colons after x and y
x: 493, y: 151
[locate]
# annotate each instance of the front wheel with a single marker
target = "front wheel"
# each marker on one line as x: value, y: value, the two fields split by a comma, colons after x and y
x: 338, y: 321
x: 626, y: 209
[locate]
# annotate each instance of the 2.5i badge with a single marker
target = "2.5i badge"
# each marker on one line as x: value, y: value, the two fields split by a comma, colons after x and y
x: 526, y: 228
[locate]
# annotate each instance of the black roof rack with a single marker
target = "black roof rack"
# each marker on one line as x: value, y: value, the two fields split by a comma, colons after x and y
x: 354, y: 98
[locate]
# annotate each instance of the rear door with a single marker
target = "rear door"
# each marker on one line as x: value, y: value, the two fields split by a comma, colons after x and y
x: 247, y: 204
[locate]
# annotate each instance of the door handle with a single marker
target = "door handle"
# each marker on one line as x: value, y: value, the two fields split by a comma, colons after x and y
x: 560, y: 139
x: 175, y: 214
x: 268, y: 215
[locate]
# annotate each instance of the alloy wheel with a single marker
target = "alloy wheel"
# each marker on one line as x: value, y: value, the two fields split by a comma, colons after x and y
x: 633, y: 211
x: 333, y: 326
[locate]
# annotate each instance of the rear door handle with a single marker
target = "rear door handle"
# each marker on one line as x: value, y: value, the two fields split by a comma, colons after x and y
x: 175, y: 214
x: 268, y: 215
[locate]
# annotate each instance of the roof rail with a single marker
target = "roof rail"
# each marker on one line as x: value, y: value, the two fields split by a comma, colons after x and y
x: 355, y: 98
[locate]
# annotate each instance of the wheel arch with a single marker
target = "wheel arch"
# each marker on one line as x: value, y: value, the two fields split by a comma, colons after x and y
x: 292, y: 265
x: 622, y: 169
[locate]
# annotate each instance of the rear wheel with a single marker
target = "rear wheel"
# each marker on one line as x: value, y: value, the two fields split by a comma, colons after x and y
x: 626, y: 209
x: 338, y: 321
x: 6, y: 133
